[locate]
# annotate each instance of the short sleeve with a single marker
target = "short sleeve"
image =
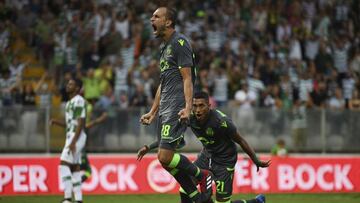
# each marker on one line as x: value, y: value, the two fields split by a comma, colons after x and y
x: 183, y: 53
x: 80, y: 108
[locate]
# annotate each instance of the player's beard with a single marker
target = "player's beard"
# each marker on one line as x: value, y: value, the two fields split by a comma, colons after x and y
x: 160, y: 31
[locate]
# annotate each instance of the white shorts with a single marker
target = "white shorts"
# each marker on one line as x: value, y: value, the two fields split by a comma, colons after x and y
x: 68, y: 156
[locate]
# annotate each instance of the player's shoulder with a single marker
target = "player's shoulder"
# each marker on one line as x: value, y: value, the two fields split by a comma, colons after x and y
x: 181, y: 40
x: 220, y: 119
x: 79, y: 99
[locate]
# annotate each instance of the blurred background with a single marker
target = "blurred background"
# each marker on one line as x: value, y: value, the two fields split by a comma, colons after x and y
x: 285, y: 71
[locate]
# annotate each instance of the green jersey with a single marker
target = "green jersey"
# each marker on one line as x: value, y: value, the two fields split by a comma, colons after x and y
x: 216, y: 136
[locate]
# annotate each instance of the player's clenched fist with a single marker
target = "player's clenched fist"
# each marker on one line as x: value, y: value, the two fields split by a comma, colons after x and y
x: 146, y: 119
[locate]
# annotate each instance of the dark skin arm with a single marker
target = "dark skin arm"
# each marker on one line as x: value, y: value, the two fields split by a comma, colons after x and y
x: 98, y: 120
x: 58, y: 122
x: 249, y: 151
x: 89, y: 125
x: 142, y: 152
x: 79, y: 127
x: 146, y: 119
x: 145, y: 149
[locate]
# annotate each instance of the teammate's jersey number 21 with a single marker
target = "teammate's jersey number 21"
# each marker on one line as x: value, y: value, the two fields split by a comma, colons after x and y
x: 219, y: 186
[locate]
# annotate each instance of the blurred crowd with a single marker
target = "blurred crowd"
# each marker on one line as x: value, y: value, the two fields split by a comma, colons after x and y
x: 275, y: 54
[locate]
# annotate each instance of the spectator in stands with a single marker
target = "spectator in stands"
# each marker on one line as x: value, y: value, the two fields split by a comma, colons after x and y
x: 16, y: 68
x: 105, y: 75
x: 319, y: 95
x: 90, y: 58
x: 4, y: 36
x: 336, y: 105
x: 311, y: 47
x: 28, y: 95
x: 7, y: 85
x: 110, y: 43
x: 71, y: 55
x: 337, y: 101
x: 273, y: 101
x: 279, y: 149
x: 299, y: 125
x: 220, y: 85
x: 323, y: 60
x: 355, y: 62
x: 256, y: 85
x: 139, y: 98
x: 301, y: 46
x: 44, y: 36
x: 45, y: 88
x: 306, y: 86
x: 148, y: 84
x: 348, y: 84
x: 127, y: 53
x: 245, y: 102
x: 106, y: 100
x: 120, y: 86
x: 354, y: 103
x: 92, y: 86
x: 340, y: 51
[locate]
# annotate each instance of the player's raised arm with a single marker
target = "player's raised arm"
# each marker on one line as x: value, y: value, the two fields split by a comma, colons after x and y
x: 147, y: 118
x: 249, y: 151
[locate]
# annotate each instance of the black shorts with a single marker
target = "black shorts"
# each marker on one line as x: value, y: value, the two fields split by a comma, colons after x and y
x: 223, y: 175
x: 171, y: 132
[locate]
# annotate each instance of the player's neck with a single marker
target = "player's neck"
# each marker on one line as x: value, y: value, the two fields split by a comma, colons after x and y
x: 72, y: 95
x: 168, y: 34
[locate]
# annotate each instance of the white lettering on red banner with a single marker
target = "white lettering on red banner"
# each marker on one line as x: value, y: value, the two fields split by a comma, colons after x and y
x: 121, y: 178
x: 24, y: 178
x: 115, y: 174
x: 246, y: 175
x: 306, y: 176
x: 5, y: 176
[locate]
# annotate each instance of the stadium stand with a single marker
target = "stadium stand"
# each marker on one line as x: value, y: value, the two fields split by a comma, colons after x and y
x: 272, y: 59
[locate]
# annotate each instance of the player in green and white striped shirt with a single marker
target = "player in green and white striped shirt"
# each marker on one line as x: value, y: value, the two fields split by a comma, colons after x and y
x: 75, y: 115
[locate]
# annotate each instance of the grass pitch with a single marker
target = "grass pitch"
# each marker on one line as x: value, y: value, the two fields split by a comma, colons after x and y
x: 165, y: 198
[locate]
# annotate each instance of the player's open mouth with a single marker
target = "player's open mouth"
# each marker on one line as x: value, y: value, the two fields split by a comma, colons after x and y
x: 154, y: 28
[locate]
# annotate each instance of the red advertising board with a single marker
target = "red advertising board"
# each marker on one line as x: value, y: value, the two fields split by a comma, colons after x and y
x: 122, y: 174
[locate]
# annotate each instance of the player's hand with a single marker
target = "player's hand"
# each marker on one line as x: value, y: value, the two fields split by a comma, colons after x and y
x: 98, y: 120
x: 72, y: 148
x: 141, y: 153
x: 184, y: 115
x: 262, y: 164
x: 146, y: 119
x: 52, y: 122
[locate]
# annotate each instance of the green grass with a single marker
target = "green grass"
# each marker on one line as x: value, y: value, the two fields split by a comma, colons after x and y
x: 162, y: 198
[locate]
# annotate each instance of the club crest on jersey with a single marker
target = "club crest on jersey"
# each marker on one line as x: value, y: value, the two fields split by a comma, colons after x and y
x: 181, y: 42
x: 209, y: 131
x: 224, y: 124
